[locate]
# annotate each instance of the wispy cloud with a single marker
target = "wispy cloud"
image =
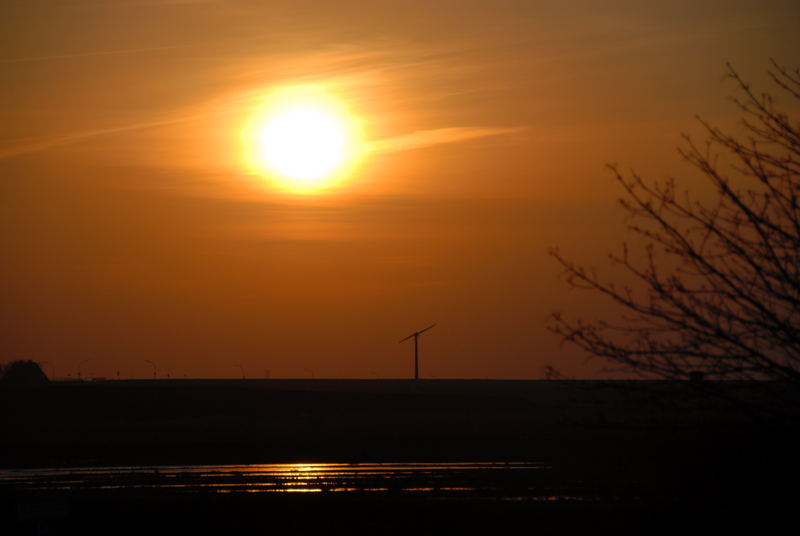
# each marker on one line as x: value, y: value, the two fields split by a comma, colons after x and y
x: 37, y: 145
x: 378, y: 76
x: 437, y: 136
x: 86, y: 54
x: 143, y: 3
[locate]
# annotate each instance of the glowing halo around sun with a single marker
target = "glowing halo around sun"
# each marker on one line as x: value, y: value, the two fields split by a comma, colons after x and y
x: 302, y: 139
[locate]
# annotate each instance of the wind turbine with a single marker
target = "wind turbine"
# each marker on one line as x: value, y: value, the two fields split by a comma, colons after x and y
x: 416, y: 335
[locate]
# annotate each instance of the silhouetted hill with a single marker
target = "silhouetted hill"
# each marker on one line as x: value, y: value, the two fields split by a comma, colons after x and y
x: 23, y: 373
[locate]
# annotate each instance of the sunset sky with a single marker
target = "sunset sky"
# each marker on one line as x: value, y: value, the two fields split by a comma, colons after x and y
x: 131, y: 229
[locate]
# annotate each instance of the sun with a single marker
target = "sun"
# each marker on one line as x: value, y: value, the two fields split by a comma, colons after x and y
x: 302, y: 139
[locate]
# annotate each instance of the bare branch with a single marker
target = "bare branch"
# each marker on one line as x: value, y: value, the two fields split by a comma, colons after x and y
x: 718, y: 287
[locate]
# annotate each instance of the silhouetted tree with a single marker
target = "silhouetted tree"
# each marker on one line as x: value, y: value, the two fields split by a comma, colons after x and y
x: 23, y: 372
x: 717, y: 292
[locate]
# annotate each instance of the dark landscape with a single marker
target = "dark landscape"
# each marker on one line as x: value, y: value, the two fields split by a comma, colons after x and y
x: 537, y: 263
x: 619, y: 453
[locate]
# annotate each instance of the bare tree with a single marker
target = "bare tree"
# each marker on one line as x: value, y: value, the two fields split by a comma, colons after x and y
x: 716, y: 293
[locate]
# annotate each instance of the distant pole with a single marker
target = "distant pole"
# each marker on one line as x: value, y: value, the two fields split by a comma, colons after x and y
x: 79, y: 366
x: 154, y: 368
x: 416, y: 335
x: 242, y: 369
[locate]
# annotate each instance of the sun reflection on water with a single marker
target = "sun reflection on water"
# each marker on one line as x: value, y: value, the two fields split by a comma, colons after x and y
x: 450, y: 479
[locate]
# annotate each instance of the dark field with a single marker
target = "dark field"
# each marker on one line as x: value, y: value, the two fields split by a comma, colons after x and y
x: 624, y: 454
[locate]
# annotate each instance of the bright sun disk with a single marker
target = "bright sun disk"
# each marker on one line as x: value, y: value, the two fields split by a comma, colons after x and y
x: 303, y: 140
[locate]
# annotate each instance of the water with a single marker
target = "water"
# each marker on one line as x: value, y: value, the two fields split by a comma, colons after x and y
x: 501, y: 480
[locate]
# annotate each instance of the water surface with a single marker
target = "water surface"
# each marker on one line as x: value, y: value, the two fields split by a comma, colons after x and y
x: 504, y: 480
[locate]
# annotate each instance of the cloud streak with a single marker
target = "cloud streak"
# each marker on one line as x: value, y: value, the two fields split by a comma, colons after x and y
x: 87, y: 54
x: 438, y: 136
x: 406, y: 142
x: 34, y: 146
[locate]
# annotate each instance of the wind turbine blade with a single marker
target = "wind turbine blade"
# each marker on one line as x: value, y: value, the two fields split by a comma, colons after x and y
x: 412, y: 335
x: 426, y: 329
x: 417, y: 333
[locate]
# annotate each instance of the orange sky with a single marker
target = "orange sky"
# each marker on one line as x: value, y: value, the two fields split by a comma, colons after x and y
x: 130, y: 230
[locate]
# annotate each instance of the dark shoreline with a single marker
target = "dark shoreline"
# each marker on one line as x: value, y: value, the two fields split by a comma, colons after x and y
x: 259, y: 421
x: 264, y: 421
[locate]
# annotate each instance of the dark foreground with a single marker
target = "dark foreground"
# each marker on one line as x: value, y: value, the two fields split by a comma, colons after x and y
x: 627, y: 455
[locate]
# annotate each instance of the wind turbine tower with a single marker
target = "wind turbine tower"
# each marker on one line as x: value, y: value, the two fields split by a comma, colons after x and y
x: 416, y: 335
